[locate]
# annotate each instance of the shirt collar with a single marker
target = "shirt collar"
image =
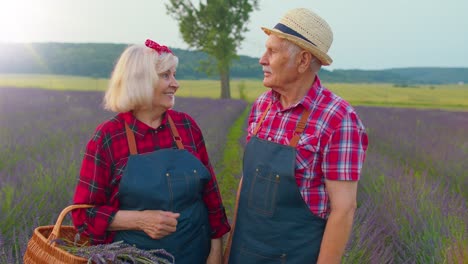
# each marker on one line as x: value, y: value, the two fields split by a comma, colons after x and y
x: 308, y: 100
x: 140, y: 128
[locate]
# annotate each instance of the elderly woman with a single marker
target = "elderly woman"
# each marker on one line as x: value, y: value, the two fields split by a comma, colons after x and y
x: 146, y: 170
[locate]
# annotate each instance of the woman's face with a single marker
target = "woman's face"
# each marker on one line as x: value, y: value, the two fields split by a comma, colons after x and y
x: 164, y: 93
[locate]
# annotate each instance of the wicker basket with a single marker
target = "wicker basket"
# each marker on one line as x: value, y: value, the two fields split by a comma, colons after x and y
x: 42, y: 250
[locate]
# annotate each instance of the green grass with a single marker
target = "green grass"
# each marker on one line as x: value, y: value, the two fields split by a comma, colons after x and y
x: 228, y: 179
x: 54, y: 82
x: 423, y: 96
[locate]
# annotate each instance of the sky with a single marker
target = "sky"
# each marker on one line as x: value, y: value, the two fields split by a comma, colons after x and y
x: 368, y: 34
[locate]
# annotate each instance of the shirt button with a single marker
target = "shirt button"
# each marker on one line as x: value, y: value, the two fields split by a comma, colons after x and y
x: 280, y: 114
x: 269, y: 138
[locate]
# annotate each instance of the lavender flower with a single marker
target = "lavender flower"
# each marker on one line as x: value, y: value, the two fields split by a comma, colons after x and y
x: 119, y: 252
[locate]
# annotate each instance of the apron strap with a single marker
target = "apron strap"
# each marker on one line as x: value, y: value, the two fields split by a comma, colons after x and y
x: 259, y: 125
x: 175, y: 133
x: 131, y: 137
x: 299, y: 128
x: 227, y: 251
x: 131, y: 140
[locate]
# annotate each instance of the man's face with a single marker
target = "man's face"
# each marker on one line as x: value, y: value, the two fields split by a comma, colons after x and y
x: 278, y: 68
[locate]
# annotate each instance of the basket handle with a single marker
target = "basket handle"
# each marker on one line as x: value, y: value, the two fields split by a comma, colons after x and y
x: 56, y: 231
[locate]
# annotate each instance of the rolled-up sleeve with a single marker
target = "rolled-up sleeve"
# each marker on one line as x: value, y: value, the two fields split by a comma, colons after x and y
x: 345, y: 152
x: 95, y: 187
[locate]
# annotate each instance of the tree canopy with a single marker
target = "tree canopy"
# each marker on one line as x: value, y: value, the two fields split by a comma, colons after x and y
x: 215, y: 27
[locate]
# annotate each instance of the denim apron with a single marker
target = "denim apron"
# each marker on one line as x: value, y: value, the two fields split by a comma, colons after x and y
x: 273, y: 224
x: 168, y: 180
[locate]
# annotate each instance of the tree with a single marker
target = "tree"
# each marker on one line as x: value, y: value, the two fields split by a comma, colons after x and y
x: 216, y: 27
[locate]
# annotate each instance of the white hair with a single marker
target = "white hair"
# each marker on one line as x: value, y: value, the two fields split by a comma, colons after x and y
x: 135, y: 75
x: 294, y: 49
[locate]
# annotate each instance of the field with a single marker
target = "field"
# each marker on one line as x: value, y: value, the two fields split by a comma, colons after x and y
x: 424, y: 96
x: 413, y: 193
x: 412, y: 196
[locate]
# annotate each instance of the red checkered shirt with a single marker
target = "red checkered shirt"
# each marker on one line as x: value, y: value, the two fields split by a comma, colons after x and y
x: 105, y: 159
x: 333, y: 145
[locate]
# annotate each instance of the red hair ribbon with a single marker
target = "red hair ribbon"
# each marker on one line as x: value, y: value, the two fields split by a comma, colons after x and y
x: 159, y: 48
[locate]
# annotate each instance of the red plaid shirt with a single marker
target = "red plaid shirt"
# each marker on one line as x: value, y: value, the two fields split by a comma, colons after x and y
x: 332, y: 146
x: 105, y: 160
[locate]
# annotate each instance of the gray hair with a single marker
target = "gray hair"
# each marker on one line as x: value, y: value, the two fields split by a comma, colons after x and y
x: 294, y: 49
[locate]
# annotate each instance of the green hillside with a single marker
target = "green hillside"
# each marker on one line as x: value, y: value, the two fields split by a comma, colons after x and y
x: 97, y: 60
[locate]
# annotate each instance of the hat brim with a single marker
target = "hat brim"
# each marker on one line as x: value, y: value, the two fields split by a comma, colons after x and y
x: 322, y: 57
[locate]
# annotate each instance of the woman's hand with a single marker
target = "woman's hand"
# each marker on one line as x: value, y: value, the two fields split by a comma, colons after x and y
x: 155, y: 223
x: 216, y: 255
x: 158, y: 224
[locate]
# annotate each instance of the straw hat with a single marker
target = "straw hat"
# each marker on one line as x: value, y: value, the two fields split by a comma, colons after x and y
x: 306, y: 29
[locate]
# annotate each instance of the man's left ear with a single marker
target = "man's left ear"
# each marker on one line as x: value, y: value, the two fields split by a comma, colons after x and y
x: 305, y: 60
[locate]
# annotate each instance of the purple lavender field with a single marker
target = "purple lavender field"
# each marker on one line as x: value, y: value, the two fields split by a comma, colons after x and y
x: 42, y: 138
x: 412, y: 195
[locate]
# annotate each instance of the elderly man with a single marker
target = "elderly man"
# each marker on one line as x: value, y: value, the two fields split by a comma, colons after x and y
x: 306, y: 147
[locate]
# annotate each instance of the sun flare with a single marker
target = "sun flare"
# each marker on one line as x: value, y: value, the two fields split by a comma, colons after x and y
x: 20, y: 20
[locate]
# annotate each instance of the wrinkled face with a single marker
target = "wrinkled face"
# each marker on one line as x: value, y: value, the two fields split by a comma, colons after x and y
x: 165, y: 89
x: 278, y: 69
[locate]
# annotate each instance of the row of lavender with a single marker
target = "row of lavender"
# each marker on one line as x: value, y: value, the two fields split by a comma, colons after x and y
x: 414, y: 189
x: 412, y: 199
x: 42, y: 138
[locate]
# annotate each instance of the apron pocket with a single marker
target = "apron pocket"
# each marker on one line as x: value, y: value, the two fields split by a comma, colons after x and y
x: 184, y: 187
x: 263, y: 191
